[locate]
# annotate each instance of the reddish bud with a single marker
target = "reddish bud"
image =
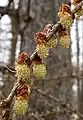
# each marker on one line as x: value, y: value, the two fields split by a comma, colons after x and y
x: 65, y: 8
x: 23, y: 58
x: 40, y: 38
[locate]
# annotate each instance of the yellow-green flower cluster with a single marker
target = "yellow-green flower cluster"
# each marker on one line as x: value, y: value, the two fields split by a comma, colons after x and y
x: 64, y: 41
x: 52, y: 43
x: 20, y: 106
x: 23, y: 72
x: 42, y: 51
x: 65, y: 19
x: 39, y: 70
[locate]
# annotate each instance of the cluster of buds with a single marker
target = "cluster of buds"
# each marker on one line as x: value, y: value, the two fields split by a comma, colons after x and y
x: 22, y: 68
x: 51, y: 41
x: 66, y: 17
x: 21, y: 101
x: 44, y: 43
x: 64, y: 39
x: 79, y: 12
x: 39, y: 68
x: 23, y: 73
x: 23, y: 77
x: 41, y: 48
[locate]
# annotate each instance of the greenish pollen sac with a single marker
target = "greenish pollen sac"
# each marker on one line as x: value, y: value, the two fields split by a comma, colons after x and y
x: 65, y: 41
x: 42, y: 51
x: 66, y: 20
x: 20, y: 107
x: 52, y: 43
x: 67, y: 23
x: 23, y: 72
x: 39, y: 70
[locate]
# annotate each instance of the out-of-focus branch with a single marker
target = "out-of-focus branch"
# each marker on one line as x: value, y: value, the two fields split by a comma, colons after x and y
x: 10, y: 12
x: 6, y: 10
x: 28, y: 18
x: 28, y: 8
x: 64, y: 105
x: 10, y: 1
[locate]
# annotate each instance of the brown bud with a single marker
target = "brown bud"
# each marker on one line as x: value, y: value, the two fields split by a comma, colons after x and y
x: 23, y: 58
x: 65, y: 8
x: 40, y: 37
x: 37, y: 59
x: 23, y: 91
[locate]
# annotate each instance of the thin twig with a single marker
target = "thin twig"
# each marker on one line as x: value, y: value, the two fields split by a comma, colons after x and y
x: 11, y: 95
x: 2, y: 63
x: 28, y: 8
x: 10, y: 1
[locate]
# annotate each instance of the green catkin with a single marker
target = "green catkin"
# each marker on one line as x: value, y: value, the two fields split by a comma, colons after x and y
x: 52, y: 43
x: 20, y: 106
x: 64, y: 41
x: 39, y: 70
x: 23, y: 72
x: 42, y: 51
x: 66, y: 20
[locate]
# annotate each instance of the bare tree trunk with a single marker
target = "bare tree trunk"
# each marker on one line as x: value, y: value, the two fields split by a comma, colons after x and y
x: 82, y: 43
x: 13, y: 41
x: 78, y: 50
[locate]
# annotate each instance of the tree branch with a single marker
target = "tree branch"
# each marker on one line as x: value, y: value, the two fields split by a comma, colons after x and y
x: 57, y: 26
x: 5, y: 104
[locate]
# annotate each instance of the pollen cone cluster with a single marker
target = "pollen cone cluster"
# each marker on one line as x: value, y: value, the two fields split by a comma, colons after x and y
x: 64, y: 41
x: 42, y: 50
x: 41, y: 47
x: 65, y: 19
x: 65, y: 15
x: 20, y: 106
x: 21, y: 102
x: 52, y: 43
x: 39, y: 70
x: 22, y: 68
x: 23, y: 77
x: 23, y: 72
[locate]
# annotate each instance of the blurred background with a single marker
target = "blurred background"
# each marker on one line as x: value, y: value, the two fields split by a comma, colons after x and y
x: 19, y: 22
